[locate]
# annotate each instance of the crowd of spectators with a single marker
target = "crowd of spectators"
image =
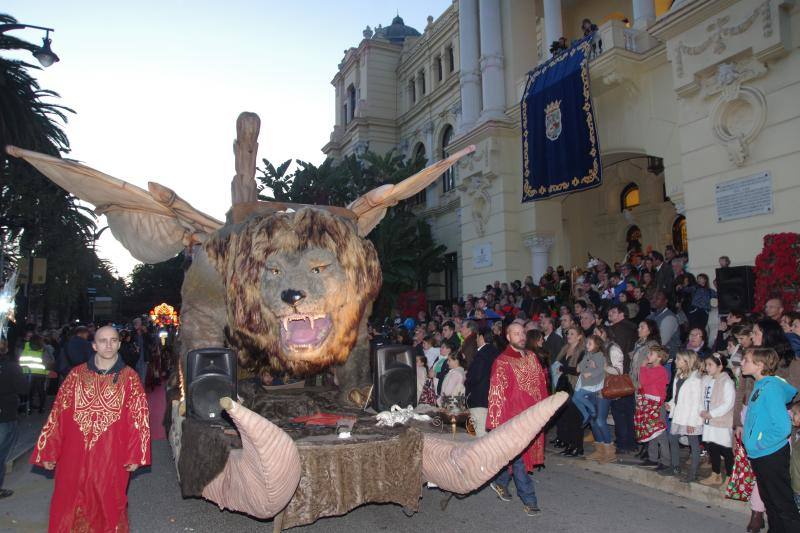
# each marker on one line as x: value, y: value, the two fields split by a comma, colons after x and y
x: 647, y: 319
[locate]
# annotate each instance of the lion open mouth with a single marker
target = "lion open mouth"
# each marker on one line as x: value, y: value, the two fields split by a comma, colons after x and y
x: 304, y: 332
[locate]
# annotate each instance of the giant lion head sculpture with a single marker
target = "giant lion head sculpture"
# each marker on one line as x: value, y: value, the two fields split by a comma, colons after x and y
x: 297, y: 285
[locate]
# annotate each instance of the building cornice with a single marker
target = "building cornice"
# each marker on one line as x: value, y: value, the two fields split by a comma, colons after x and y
x: 438, y: 30
x: 352, y: 55
x: 676, y: 22
x: 489, y: 128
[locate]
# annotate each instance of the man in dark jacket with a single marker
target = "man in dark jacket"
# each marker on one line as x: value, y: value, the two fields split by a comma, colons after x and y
x: 664, y: 275
x: 78, y: 349
x: 477, y: 384
x: 12, y: 384
x: 553, y: 342
x: 469, y: 346
x: 624, y: 332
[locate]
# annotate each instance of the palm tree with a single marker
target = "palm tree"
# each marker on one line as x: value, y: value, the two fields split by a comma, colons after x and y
x: 36, y: 216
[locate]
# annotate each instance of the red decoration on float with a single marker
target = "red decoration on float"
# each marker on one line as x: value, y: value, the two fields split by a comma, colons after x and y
x: 778, y: 270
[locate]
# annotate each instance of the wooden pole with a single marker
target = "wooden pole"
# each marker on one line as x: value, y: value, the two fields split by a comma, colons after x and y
x: 245, y: 150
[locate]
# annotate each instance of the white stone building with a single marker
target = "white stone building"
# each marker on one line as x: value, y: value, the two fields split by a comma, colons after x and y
x: 691, y: 98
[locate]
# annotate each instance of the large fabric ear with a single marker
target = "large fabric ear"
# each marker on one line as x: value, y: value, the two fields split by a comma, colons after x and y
x: 371, y: 207
x: 153, y: 225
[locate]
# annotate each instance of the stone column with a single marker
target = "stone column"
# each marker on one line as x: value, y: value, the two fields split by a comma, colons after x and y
x: 469, y: 73
x: 553, y: 26
x: 492, y: 76
x: 339, y: 117
x: 644, y: 13
x: 539, y: 245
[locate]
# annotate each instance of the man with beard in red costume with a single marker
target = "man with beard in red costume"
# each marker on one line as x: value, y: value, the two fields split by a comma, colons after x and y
x: 517, y: 382
x: 97, y: 433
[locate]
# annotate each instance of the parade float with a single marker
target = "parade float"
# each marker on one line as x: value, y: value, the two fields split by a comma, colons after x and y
x: 288, y: 288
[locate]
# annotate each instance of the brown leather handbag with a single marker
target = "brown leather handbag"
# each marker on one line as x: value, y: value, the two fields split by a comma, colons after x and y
x: 617, y: 386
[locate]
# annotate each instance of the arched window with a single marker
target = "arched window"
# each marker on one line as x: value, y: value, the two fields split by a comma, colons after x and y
x: 679, y: 239
x: 629, y: 198
x: 449, y: 177
x: 419, y: 152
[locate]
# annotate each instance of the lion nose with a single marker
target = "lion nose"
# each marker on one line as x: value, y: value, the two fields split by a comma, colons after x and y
x: 292, y: 296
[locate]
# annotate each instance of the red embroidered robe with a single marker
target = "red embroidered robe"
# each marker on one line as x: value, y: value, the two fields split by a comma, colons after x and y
x: 95, y: 428
x: 517, y: 383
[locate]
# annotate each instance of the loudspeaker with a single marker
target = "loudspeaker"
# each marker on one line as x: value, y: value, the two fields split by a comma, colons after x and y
x: 735, y: 287
x: 395, y: 378
x: 210, y: 375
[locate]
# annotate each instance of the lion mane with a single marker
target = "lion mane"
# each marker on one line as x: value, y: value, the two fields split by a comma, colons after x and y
x: 240, y: 252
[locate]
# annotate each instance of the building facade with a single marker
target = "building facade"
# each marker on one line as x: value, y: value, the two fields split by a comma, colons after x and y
x: 696, y: 112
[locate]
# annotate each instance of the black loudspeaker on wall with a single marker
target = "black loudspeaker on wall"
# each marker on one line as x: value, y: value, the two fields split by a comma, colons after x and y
x: 210, y: 375
x: 395, y: 378
x: 735, y: 286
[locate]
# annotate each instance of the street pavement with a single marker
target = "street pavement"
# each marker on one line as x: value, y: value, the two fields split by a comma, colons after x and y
x: 572, y: 499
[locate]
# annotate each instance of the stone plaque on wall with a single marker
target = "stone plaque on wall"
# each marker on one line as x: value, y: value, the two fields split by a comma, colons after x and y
x: 744, y: 197
x: 482, y: 255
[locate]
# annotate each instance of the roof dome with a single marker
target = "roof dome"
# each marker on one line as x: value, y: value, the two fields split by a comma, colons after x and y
x: 397, y: 32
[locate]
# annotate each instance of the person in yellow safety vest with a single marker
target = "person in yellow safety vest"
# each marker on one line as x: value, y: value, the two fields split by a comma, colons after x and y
x: 31, y: 359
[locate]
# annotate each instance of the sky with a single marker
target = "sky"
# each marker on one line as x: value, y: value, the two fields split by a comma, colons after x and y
x: 157, y: 85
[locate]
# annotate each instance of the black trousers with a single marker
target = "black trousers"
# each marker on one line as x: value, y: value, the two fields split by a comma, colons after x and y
x: 622, y: 411
x: 569, y: 427
x: 37, y: 389
x: 774, y: 485
x: 718, y: 452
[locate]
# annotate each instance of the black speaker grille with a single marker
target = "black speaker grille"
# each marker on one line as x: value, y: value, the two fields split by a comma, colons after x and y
x: 398, y: 386
x: 205, y: 392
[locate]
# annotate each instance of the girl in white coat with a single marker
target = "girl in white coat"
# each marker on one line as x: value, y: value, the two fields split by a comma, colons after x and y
x: 684, y: 411
x: 453, y: 384
x: 719, y: 395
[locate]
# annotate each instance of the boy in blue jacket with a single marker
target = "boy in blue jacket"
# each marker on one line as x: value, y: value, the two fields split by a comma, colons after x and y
x: 766, y: 432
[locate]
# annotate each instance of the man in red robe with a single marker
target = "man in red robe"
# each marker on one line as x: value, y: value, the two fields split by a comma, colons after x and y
x: 517, y: 382
x: 97, y: 433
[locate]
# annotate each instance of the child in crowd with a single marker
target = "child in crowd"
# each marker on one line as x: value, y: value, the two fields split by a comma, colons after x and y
x: 684, y: 411
x: 766, y: 429
x: 650, y: 421
x: 453, y: 383
x: 794, y: 466
x: 430, y: 347
x: 438, y: 370
x: 422, y: 374
x: 719, y: 395
x: 591, y: 373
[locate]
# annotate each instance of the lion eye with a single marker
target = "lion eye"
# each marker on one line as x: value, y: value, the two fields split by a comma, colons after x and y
x: 274, y: 271
x: 318, y: 269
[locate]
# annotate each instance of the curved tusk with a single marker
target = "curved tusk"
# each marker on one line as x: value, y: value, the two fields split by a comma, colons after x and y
x: 462, y: 467
x: 261, y: 478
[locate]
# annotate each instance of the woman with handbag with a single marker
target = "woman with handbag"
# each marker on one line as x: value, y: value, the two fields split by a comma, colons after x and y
x: 617, y: 393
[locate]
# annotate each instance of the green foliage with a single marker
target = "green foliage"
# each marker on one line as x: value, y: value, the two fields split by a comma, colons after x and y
x: 151, y: 285
x: 404, y: 242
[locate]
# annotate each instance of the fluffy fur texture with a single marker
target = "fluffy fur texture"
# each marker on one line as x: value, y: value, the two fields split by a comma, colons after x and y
x: 246, y: 256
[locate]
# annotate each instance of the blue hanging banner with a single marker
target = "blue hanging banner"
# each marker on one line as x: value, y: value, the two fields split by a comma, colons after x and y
x: 560, y: 150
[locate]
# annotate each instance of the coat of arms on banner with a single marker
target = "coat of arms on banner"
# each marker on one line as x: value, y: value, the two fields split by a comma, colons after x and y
x: 552, y: 120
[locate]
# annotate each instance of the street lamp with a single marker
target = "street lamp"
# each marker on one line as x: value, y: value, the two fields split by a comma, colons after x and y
x: 44, y: 54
